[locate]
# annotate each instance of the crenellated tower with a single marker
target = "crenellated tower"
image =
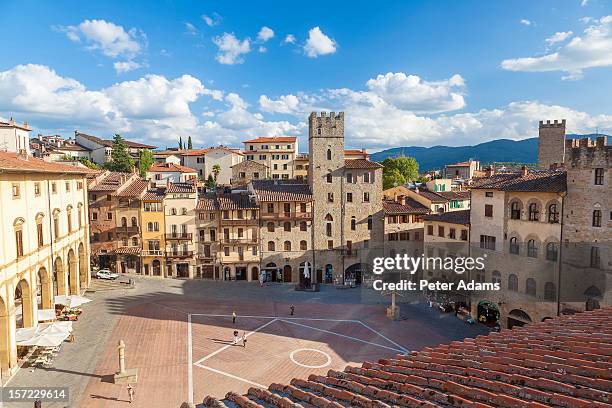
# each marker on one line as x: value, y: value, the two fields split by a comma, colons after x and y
x: 551, y: 144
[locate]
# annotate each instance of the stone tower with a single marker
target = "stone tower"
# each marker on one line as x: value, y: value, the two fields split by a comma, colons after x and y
x: 551, y: 144
x: 325, y: 175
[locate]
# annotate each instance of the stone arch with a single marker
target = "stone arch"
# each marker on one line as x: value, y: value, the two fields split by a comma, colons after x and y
x: 83, y: 267
x: 515, y: 207
x: 520, y: 315
x: 356, y: 271
x: 59, y: 277
x: 287, y: 272
x: 156, y: 267
x: 23, y: 297
x: 45, y: 283
x: 534, y: 209
x: 5, y: 352
x: 73, y: 273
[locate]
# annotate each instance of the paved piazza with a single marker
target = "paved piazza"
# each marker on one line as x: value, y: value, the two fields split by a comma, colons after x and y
x: 179, y: 335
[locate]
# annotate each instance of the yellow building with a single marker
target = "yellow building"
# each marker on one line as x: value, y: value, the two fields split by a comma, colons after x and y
x: 152, y: 232
x: 45, y: 245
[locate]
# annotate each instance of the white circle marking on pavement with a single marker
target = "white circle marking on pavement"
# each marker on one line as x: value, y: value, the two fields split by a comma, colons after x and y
x: 328, y: 362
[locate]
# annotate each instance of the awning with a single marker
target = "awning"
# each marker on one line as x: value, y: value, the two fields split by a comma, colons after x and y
x: 44, y: 335
x: 46, y: 314
x: 71, y: 301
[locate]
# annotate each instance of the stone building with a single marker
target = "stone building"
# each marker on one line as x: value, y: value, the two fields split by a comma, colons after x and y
x: 179, y: 205
x: 347, y: 203
x: 277, y: 153
x: 207, y: 225
x: 404, y: 226
x: 285, y: 229
x: 300, y: 169
x: 551, y: 144
x: 161, y: 174
x: 128, y: 231
x: 45, y: 246
x: 14, y: 137
x: 462, y: 170
x: 247, y: 170
x: 153, y: 230
x: 205, y: 161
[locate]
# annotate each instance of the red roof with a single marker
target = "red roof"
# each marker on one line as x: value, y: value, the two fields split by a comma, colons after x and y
x: 170, y: 167
x: 12, y: 162
x: 361, y: 164
x: 279, y: 139
x: 562, y: 362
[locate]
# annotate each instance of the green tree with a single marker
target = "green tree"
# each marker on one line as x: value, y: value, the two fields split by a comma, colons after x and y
x: 189, y: 145
x: 216, y: 170
x: 180, y: 143
x: 145, y: 160
x: 399, y: 170
x: 121, y: 160
x: 211, y: 184
x: 88, y: 163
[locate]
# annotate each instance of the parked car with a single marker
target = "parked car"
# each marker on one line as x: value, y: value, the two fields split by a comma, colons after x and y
x: 106, y: 274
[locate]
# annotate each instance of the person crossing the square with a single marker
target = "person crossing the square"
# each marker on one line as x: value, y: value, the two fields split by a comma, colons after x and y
x: 235, y: 337
x: 234, y: 317
x: 244, y: 339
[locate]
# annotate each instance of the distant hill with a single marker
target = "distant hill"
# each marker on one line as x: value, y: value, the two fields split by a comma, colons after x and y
x: 500, y: 150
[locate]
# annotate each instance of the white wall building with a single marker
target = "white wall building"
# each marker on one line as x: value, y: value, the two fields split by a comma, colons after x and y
x: 204, y: 160
x: 14, y: 137
x: 161, y: 174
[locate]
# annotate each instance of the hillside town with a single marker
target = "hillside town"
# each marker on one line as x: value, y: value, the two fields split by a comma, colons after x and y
x: 267, y: 213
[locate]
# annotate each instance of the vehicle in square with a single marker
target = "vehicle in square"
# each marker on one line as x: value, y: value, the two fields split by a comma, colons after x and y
x: 106, y: 274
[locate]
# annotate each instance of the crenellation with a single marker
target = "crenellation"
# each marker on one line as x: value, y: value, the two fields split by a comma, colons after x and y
x: 551, y: 143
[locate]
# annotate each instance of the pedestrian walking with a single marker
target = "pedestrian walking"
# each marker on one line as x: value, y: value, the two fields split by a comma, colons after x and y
x: 235, y: 336
x: 130, y: 391
x: 292, y: 309
x: 234, y: 317
x: 244, y: 339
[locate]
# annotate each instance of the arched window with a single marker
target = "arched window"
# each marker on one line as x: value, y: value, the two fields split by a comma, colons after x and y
x: 553, y: 214
x: 329, y: 154
x: 513, y: 282
x: 18, y: 225
x: 534, y: 212
x: 597, y: 218
x: 550, y: 291
x: 353, y: 223
x: 328, y: 217
x: 123, y: 222
x: 551, y: 251
x: 134, y: 222
x: 496, y: 277
x: 69, y: 218
x: 287, y: 226
x: 303, y: 226
x: 287, y: 245
x: 530, y: 287
x: 271, y: 246
x: 270, y: 226
x: 303, y: 245
x: 514, y: 246
x: 515, y: 210
x: 532, y: 250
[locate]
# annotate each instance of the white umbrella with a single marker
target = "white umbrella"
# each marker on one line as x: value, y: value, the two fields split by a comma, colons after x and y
x: 46, y: 335
x: 46, y: 314
x: 71, y: 301
x: 46, y: 340
x: 26, y: 333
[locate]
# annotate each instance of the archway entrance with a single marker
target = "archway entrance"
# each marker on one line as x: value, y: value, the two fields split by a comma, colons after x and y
x: 73, y: 273
x: 354, y: 273
x: 517, y: 317
x: 83, y: 270
x: 156, y: 266
x: 254, y: 273
x: 59, y: 277
x: 488, y: 312
x: 593, y: 295
x: 305, y: 271
x: 287, y: 273
x: 5, y: 354
x: 272, y: 273
x: 24, y: 305
x: 44, y: 289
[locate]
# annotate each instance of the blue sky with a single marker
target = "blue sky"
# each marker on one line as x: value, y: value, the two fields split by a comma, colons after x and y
x: 405, y: 73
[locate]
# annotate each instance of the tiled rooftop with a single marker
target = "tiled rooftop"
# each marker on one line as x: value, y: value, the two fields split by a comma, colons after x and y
x: 208, y: 203
x: 12, y: 162
x: 109, y: 142
x: 536, y: 181
x: 236, y: 201
x: 453, y: 217
x: 454, y: 195
x: 134, y: 189
x: 361, y: 164
x: 182, y: 188
x: 431, y: 196
x: 562, y: 362
x: 156, y: 194
x: 281, y: 190
x: 279, y: 139
x: 170, y: 167
x: 110, y: 182
x: 410, y: 206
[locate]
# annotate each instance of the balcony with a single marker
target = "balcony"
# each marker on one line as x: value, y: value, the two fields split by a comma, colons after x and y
x: 179, y: 254
x: 129, y: 230
x: 242, y: 221
x: 245, y: 241
x: 206, y: 258
x: 153, y: 252
x: 287, y: 216
x: 179, y: 236
x: 237, y: 257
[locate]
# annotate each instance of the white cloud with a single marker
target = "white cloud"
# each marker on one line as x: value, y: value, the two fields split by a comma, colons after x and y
x: 126, y: 66
x: 285, y: 104
x: 289, y: 39
x: 584, y: 3
x: 262, y: 49
x: 559, y: 37
x: 410, y: 92
x: 526, y: 22
x: 190, y: 28
x: 591, y: 49
x: 213, y: 20
x: 231, y: 49
x: 318, y: 43
x: 265, y: 34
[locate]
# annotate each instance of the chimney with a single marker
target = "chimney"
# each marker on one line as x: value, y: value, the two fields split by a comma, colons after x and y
x: 524, y: 169
x: 490, y: 171
x: 402, y: 200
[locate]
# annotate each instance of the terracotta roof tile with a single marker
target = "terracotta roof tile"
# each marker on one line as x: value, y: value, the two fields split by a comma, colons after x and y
x: 170, y: 167
x: 277, y: 139
x: 454, y: 195
x: 109, y: 142
x: 128, y: 250
x: 537, y: 181
x: 410, y: 206
x: 562, y: 362
x: 285, y: 190
x: 110, y: 182
x: 361, y: 164
x: 182, y: 188
x: 12, y: 162
x: 208, y: 203
x: 453, y: 217
x: 134, y: 189
x: 236, y: 201
x: 156, y: 194
x: 431, y: 196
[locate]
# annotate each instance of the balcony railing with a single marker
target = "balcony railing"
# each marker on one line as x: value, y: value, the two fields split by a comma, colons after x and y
x: 206, y: 258
x: 179, y: 236
x: 130, y: 229
x: 286, y: 216
x: 239, y: 240
x: 152, y: 252
x: 241, y: 221
x: 179, y: 254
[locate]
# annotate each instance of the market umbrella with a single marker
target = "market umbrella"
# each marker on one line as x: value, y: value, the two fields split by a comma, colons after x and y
x: 46, y: 340
x: 26, y: 333
x: 46, y: 314
x: 71, y: 300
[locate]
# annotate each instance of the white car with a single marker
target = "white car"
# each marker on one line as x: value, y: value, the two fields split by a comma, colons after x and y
x: 106, y: 274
